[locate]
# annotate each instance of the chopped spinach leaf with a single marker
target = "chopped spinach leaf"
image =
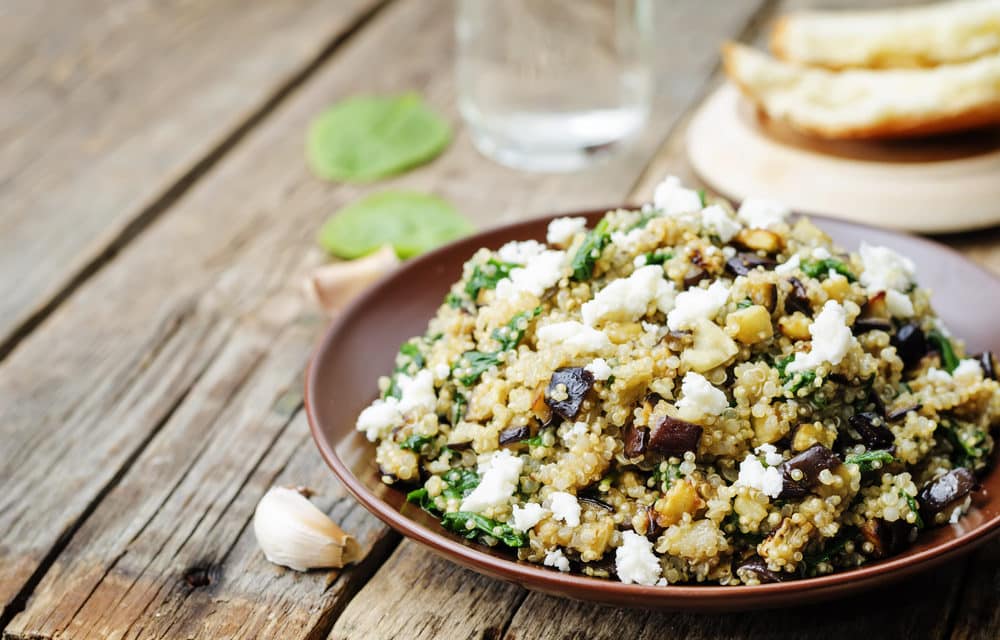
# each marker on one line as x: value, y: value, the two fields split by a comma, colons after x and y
x: 459, y: 482
x: 866, y: 460
x: 415, y: 443
x: 911, y: 502
x: 820, y: 268
x: 943, y: 345
x: 420, y: 497
x: 458, y: 406
x: 474, y: 364
x: 744, y: 303
x: 412, y: 351
x: 657, y: 257
x: 510, y: 335
x: 665, y: 474
x: 454, y: 300
x: 486, y: 276
x: 588, y: 253
x: 458, y: 522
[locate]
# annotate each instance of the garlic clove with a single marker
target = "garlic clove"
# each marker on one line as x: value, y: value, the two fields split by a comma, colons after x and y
x: 294, y: 533
x: 332, y: 286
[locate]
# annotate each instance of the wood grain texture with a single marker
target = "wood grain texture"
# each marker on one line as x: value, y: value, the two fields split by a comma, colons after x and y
x: 109, y: 107
x: 419, y: 596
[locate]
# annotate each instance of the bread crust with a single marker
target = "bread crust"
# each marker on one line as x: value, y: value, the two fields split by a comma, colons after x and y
x: 975, y: 116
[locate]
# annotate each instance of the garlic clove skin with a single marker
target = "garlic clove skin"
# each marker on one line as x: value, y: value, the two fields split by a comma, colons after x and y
x: 332, y: 286
x: 294, y: 533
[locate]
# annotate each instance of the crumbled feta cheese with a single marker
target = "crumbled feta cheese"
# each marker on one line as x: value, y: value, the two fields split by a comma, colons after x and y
x: 599, y: 368
x: 755, y: 475
x: 788, y: 266
x: 770, y: 453
x: 662, y: 582
x: 628, y: 298
x: 635, y: 560
x: 831, y: 338
x: 967, y: 372
x: 627, y: 241
x: 956, y: 515
x: 555, y: 558
x: 565, y: 507
x: 821, y: 253
x: 938, y: 375
x: 442, y: 371
x: 639, y: 260
x: 416, y: 392
x: 898, y: 304
x: 762, y: 213
x: 573, y: 335
x: 520, y: 252
x: 526, y: 517
x: 499, y: 473
x: 380, y: 418
x: 715, y: 220
x: 561, y: 230
x: 672, y: 198
x: 538, y: 274
x: 697, y: 304
x: 700, y: 398
x: 885, y: 269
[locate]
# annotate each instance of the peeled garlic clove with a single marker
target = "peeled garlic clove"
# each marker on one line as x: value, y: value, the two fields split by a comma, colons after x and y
x: 294, y: 533
x: 332, y: 286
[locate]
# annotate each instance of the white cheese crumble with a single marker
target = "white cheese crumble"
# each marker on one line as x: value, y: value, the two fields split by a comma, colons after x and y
x: 442, y: 371
x: 526, y: 517
x: 555, y: 558
x: 573, y: 335
x: 788, y: 266
x: 499, y: 472
x: 762, y: 213
x: 898, y: 304
x: 697, y: 304
x: 885, y: 269
x: 520, y: 252
x: 672, y: 198
x: 628, y: 241
x: 770, y: 453
x: 938, y: 375
x: 561, y: 230
x: 538, y: 274
x: 755, y: 475
x: 639, y: 260
x: 416, y: 392
x: 635, y: 560
x: 380, y: 418
x: 715, y: 220
x: 628, y: 298
x: 599, y: 368
x: 821, y: 253
x: 699, y: 397
x: 565, y: 507
x: 831, y: 338
x: 967, y: 372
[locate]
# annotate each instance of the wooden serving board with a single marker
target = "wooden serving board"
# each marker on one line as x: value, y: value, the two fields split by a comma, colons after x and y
x: 935, y: 185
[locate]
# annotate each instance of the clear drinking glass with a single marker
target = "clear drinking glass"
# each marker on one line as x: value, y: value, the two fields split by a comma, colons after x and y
x: 550, y: 85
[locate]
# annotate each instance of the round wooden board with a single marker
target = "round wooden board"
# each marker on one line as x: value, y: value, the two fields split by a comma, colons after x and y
x: 937, y: 185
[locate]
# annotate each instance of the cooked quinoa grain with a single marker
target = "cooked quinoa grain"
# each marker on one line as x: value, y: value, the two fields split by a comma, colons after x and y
x: 687, y: 393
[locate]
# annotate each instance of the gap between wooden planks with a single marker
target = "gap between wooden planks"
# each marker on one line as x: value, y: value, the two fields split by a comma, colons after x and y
x: 152, y: 453
x: 112, y: 109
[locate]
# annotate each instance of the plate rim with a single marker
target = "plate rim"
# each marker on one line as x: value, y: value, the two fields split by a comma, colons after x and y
x: 691, y: 597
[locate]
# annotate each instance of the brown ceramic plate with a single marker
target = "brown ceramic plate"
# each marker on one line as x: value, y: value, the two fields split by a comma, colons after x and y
x: 363, y: 343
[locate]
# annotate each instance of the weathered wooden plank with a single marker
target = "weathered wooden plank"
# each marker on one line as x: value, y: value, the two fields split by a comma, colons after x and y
x: 418, y: 596
x: 233, y: 243
x: 977, y: 616
x: 111, y: 107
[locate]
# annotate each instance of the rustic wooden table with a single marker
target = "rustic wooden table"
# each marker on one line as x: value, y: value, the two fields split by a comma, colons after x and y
x: 156, y: 220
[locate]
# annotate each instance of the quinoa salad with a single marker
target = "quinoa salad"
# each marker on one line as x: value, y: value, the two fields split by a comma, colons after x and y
x: 688, y: 392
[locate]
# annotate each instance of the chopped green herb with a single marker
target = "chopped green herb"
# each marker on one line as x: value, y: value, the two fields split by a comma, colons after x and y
x: 475, y: 364
x: 510, y: 335
x: 459, y: 482
x: 966, y: 451
x: 420, y: 497
x: 486, y: 276
x: 665, y: 474
x: 820, y: 268
x: 800, y: 380
x: 911, y: 502
x: 943, y: 345
x: 454, y: 300
x: 412, y: 351
x: 744, y: 303
x: 588, y: 253
x: 458, y: 522
x: 458, y: 406
x: 701, y: 197
x: 866, y: 461
x: 415, y: 443
x: 657, y: 257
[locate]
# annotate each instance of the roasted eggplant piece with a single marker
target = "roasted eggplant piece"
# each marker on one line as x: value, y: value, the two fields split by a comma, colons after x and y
x: 755, y: 565
x: 864, y: 325
x: 911, y: 344
x: 693, y: 276
x: 888, y: 538
x: 797, y: 299
x: 673, y: 437
x: 514, y: 434
x: 899, y: 414
x: 578, y: 382
x: 743, y: 263
x: 943, y: 494
x: 801, y: 473
x: 636, y: 440
x: 872, y: 430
